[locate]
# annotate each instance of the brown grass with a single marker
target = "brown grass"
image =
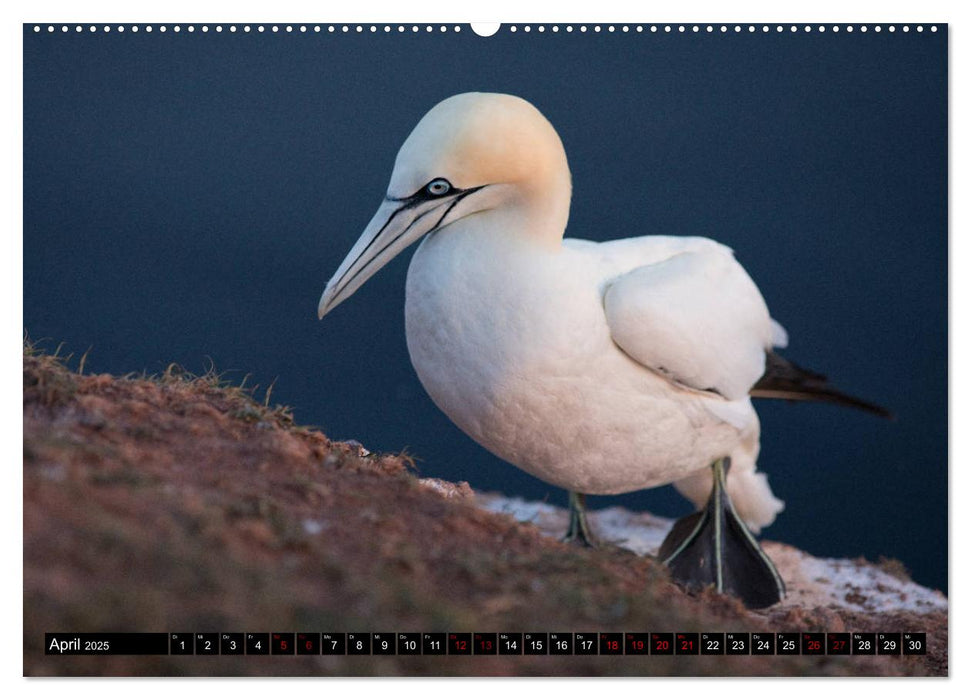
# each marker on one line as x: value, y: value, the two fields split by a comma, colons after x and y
x: 183, y: 503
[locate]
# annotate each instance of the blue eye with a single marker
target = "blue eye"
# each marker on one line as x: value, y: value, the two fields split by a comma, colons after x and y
x: 438, y: 187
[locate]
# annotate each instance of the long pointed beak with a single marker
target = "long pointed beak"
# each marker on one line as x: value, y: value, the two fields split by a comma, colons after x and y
x: 396, y: 225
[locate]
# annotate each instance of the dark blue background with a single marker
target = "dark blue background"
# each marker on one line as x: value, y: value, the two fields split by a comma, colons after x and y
x: 187, y: 196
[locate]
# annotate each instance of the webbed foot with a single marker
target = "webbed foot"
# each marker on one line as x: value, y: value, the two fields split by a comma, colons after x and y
x: 715, y: 547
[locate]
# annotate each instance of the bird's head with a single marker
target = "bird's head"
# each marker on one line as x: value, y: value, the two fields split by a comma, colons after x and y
x: 472, y: 153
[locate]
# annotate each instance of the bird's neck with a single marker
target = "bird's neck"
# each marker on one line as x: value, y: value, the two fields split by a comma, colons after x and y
x: 543, y: 207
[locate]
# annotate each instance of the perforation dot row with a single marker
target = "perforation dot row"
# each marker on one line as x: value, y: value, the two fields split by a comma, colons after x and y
x: 232, y: 28
x: 726, y: 28
x: 414, y: 28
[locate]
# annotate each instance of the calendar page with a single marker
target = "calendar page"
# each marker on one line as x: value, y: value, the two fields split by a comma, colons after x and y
x: 543, y: 349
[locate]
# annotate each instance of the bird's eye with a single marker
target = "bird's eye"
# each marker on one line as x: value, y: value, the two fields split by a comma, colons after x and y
x: 438, y: 187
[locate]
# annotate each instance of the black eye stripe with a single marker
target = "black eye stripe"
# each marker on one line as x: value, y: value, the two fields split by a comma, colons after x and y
x: 426, y: 193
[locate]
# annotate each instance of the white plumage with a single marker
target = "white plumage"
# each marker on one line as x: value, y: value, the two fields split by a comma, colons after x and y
x: 598, y: 367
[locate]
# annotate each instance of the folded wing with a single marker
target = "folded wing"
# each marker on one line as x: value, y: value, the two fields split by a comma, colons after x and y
x: 695, y: 317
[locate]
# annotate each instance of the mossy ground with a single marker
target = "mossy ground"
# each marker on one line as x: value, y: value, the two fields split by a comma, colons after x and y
x: 181, y: 503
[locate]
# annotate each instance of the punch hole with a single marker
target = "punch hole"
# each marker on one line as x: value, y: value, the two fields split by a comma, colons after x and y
x: 484, y: 28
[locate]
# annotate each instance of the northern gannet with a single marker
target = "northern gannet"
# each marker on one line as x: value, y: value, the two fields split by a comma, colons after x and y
x: 601, y: 368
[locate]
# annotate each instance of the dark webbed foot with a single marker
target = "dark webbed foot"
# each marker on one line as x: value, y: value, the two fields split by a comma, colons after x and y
x: 579, y: 529
x: 714, y: 547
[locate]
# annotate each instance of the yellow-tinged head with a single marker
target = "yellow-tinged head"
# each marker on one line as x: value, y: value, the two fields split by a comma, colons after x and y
x: 471, y: 153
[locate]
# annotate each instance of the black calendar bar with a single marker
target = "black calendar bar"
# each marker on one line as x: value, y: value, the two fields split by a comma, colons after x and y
x: 284, y: 644
x: 106, y: 644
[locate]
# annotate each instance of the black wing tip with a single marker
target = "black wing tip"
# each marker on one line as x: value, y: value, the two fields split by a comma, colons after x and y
x: 882, y: 412
x: 784, y: 379
x: 827, y: 395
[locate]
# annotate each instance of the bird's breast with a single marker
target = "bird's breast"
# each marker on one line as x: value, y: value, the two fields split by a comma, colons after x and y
x: 480, y: 316
x: 486, y: 319
x: 511, y: 343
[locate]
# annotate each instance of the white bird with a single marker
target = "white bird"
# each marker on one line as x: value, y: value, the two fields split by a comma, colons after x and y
x: 601, y: 368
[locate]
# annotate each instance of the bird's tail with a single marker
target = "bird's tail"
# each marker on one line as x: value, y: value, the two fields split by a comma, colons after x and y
x: 786, y: 380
